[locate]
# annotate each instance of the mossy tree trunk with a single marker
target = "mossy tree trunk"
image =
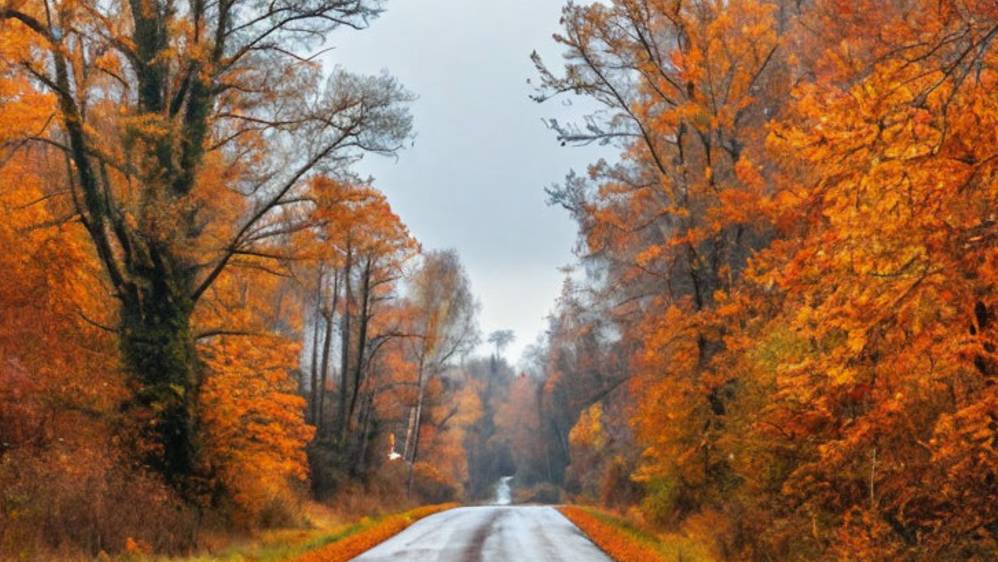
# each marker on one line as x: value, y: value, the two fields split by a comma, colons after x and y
x: 158, y: 350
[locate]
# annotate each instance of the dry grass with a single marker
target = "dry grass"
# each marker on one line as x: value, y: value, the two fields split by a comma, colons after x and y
x: 331, y: 538
x: 626, y: 543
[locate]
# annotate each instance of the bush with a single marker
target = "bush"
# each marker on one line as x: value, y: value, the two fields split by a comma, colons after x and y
x: 432, y: 486
x: 86, y: 503
x: 659, y: 503
x: 626, y: 543
x: 617, y: 488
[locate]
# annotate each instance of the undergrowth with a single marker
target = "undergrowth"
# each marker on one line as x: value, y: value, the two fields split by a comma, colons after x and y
x: 625, y: 542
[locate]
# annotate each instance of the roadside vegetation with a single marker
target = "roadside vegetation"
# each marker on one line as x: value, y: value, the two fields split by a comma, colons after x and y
x: 783, y: 324
x: 368, y: 534
x: 201, y: 329
x: 330, y: 540
x: 623, y: 541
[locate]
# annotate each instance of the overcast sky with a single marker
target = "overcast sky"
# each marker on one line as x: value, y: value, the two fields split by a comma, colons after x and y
x: 474, y: 179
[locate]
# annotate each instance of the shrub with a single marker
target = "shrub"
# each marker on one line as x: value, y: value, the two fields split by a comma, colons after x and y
x: 432, y: 486
x: 617, y: 488
x: 86, y: 503
x: 626, y: 543
x: 659, y: 503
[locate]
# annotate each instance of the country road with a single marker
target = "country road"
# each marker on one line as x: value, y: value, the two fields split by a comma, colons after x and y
x: 489, y: 534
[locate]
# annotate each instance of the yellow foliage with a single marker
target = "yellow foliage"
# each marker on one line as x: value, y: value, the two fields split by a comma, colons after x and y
x: 588, y: 431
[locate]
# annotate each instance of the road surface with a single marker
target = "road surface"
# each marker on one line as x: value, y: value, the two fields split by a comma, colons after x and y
x: 489, y: 534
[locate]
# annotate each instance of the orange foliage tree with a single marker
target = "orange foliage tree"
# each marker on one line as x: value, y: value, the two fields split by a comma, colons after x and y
x: 888, y: 276
x: 255, y: 431
x: 362, y: 249
x: 174, y: 125
x: 61, y: 465
x: 797, y: 251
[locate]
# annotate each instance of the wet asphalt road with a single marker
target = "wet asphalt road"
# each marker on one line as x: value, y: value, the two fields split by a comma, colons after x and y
x: 489, y: 534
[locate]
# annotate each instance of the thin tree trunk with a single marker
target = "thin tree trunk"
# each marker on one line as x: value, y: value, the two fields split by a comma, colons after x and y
x: 361, y: 464
x: 313, y: 400
x: 324, y: 371
x: 328, y: 316
x: 407, y: 445
x: 358, y: 368
x: 415, y: 431
x: 341, y: 420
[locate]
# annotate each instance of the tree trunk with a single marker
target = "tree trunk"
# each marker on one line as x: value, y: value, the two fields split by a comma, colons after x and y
x: 414, y: 455
x: 341, y: 420
x: 360, y: 466
x: 313, y: 398
x: 159, y: 351
x: 358, y: 368
x: 324, y: 370
x: 328, y: 316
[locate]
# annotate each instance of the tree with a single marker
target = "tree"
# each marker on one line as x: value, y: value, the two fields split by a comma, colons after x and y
x: 255, y: 433
x: 488, y: 453
x: 62, y: 468
x: 189, y: 132
x: 500, y: 339
x: 887, y: 277
x: 443, y: 324
x: 795, y: 253
x: 685, y: 89
x: 363, y: 248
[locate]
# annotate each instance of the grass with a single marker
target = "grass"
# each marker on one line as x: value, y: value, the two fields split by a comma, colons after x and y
x: 370, y: 535
x: 330, y: 544
x: 625, y: 542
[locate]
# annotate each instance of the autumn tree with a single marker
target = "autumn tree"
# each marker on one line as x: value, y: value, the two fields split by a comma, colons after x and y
x: 188, y: 132
x: 254, y: 431
x: 583, y: 362
x: 451, y: 409
x: 65, y: 481
x: 488, y: 455
x: 795, y: 250
x: 363, y: 248
x: 443, y: 328
x: 887, y: 276
x: 685, y: 89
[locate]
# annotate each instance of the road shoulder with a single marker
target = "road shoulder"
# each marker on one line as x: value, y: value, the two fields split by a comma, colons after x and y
x: 369, y: 534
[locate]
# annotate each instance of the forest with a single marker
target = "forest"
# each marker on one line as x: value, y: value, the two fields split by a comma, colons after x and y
x: 778, y: 336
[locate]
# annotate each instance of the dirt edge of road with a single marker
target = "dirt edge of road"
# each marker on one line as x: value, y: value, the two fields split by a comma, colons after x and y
x: 368, y: 535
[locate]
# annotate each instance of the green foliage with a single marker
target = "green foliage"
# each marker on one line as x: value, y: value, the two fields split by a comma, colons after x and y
x: 660, y: 501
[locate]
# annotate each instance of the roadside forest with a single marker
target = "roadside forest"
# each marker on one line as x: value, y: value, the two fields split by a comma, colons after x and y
x: 206, y: 317
x: 778, y: 338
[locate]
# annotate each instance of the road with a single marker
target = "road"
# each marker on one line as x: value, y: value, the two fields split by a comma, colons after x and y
x: 489, y: 534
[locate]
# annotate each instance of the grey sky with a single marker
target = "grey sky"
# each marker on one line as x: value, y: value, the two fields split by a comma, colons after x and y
x: 474, y: 178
